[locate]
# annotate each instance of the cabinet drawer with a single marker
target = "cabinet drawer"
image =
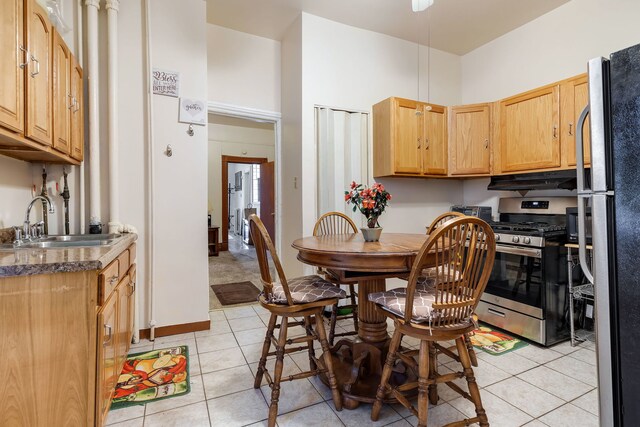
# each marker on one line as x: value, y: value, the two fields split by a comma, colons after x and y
x: 124, y: 263
x: 108, y: 280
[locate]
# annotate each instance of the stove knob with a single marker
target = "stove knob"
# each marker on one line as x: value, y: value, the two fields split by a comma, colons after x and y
x: 515, y: 239
x: 526, y: 240
x: 497, y: 237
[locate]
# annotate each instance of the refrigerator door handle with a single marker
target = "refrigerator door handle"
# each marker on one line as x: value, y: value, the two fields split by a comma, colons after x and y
x: 580, y: 169
x: 582, y: 238
x: 583, y: 195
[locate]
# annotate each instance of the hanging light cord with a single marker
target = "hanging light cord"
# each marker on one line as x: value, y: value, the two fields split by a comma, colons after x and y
x: 428, y: 56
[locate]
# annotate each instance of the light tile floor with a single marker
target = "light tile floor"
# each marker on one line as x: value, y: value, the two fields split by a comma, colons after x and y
x: 532, y: 386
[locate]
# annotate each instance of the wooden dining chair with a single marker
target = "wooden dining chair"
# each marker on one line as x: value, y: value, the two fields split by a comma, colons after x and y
x: 338, y: 223
x: 439, y: 312
x: 287, y: 299
x: 430, y: 273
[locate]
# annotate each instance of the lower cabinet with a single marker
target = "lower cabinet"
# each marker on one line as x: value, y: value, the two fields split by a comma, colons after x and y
x: 65, y: 337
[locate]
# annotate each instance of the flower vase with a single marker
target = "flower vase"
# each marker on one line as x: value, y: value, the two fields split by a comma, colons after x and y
x: 371, y: 234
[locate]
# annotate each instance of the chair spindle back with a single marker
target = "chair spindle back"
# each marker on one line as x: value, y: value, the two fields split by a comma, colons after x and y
x: 442, y: 219
x: 263, y: 244
x: 464, y: 249
x: 334, y: 223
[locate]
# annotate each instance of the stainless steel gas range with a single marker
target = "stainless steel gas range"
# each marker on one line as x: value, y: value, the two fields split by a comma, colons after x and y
x: 527, y: 290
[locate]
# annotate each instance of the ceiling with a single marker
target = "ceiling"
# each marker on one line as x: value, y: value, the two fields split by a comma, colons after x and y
x: 457, y: 26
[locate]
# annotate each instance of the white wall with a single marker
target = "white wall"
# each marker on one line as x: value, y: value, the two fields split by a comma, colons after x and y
x: 555, y: 46
x: 233, y: 141
x: 178, y: 42
x: 243, y: 69
x: 352, y: 68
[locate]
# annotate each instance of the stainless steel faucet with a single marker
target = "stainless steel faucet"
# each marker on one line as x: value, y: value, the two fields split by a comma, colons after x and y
x: 26, y: 227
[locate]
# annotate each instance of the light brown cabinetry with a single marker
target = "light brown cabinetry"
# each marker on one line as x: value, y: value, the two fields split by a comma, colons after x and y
x: 409, y: 138
x: 36, y: 109
x: 530, y: 131
x: 12, y: 56
x: 107, y: 356
x: 39, y: 101
x: 77, y: 112
x: 63, y: 347
x: 63, y: 101
x: 469, y: 139
x: 434, y: 154
x: 574, y: 97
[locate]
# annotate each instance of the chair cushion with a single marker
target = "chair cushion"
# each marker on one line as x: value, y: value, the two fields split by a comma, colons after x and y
x: 395, y: 302
x: 306, y: 289
x: 427, y: 278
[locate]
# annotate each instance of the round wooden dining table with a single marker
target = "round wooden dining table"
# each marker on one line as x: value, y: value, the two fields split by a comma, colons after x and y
x: 349, y: 259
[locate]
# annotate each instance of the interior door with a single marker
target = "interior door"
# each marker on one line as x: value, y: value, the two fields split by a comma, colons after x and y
x: 267, y: 197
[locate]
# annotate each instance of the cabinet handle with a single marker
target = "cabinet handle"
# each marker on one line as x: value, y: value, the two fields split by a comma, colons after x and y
x: 555, y: 131
x: 132, y: 285
x: 113, y: 280
x: 27, y: 56
x: 486, y: 143
x: 418, y: 142
x: 418, y: 113
x: 426, y: 143
x: 109, y: 334
x: 570, y: 128
x: 76, y: 104
x: 35, y: 73
x: 73, y: 101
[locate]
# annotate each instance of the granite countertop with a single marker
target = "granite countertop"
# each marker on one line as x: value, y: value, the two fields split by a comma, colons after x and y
x: 27, y: 262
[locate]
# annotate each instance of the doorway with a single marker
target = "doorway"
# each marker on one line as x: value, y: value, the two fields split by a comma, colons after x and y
x: 241, y: 182
x: 248, y: 188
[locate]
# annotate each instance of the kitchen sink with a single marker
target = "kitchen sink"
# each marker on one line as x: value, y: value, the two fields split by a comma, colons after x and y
x: 64, y: 241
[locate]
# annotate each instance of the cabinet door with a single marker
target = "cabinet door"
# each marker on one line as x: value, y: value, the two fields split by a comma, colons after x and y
x: 122, y: 333
x: 62, y: 99
x: 39, y: 105
x: 574, y: 96
x: 407, y: 137
x: 469, y: 135
x: 529, y: 137
x: 77, y: 112
x: 12, y: 55
x: 435, y: 141
x: 107, y: 357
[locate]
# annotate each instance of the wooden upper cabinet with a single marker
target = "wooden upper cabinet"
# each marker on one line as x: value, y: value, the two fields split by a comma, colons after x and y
x: 469, y: 136
x: 529, y: 130
x: 62, y: 98
x: 12, y: 55
x: 77, y: 111
x: 434, y: 154
x: 39, y: 120
x: 406, y: 143
x: 409, y: 139
x: 574, y: 97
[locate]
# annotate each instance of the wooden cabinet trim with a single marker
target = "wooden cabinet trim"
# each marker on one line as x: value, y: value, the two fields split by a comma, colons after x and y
x: 12, y: 92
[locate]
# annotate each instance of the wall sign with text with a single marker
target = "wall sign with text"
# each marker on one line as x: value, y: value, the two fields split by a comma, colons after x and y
x: 192, y: 111
x: 166, y: 82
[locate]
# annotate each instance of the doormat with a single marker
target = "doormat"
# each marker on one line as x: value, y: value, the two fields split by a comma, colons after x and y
x: 236, y: 293
x: 495, y: 342
x: 151, y: 376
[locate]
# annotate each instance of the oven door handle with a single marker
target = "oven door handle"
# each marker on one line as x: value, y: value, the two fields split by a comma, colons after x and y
x: 518, y: 250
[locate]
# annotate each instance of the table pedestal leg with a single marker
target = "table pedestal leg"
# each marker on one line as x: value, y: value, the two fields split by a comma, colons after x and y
x: 372, y: 325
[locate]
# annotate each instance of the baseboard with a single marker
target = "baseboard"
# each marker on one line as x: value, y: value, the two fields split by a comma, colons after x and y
x: 163, y: 331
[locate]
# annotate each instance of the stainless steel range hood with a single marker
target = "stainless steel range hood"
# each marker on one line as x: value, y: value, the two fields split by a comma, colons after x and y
x: 565, y: 180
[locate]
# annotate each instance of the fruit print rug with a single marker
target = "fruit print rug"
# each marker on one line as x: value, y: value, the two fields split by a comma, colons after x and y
x: 495, y: 342
x: 152, y: 376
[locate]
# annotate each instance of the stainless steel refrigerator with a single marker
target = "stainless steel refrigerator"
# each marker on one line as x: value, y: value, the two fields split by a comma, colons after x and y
x: 613, y: 191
